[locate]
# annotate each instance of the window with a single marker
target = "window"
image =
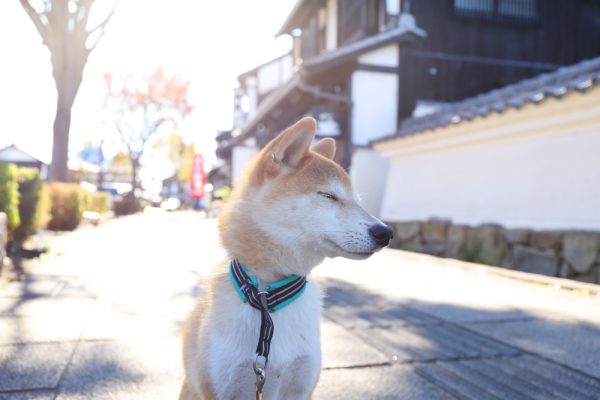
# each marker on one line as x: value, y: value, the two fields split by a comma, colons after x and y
x: 474, y: 7
x: 517, y: 8
x: 500, y: 10
x: 357, y: 19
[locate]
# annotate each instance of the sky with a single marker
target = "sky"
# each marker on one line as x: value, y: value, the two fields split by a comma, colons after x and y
x: 208, y: 42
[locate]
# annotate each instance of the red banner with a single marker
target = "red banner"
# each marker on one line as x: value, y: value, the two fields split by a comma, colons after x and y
x: 198, y: 177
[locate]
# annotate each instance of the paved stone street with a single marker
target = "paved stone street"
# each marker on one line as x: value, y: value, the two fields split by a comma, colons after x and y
x: 101, y: 318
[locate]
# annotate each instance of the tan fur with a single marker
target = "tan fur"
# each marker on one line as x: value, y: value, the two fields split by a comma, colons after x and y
x: 312, y: 168
x: 285, y: 168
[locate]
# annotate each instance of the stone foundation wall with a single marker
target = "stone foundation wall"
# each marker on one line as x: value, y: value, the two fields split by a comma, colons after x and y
x: 566, y: 254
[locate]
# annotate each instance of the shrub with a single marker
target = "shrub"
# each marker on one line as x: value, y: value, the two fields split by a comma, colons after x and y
x: 9, y: 194
x: 68, y: 203
x: 34, y: 203
x: 126, y: 205
x: 44, y: 209
x: 97, y: 202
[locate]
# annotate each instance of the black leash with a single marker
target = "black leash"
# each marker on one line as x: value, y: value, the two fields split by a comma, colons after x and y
x: 277, y: 295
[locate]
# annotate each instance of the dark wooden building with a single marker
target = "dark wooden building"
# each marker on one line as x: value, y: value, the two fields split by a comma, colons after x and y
x: 361, y: 67
x: 474, y: 46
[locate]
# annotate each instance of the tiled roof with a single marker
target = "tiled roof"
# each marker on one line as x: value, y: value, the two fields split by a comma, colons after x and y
x: 579, y: 77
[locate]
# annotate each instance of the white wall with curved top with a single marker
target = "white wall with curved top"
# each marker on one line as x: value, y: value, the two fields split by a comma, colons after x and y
x: 537, y: 167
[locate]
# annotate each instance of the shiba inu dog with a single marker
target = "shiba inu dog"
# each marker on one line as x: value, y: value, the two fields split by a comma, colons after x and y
x: 293, y: 207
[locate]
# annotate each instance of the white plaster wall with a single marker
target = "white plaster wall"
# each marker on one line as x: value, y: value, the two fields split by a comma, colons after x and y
x: 268, y: 77
x: 392, y: 7
x: 544, y: 181
x: 287, y: 68
x: 274, y: 74
x: 332, y: 24
x: 375, y: 98
x: 252, y: 94
x: 368, y: 172
x: 239, y: 159
x: 386, y: 56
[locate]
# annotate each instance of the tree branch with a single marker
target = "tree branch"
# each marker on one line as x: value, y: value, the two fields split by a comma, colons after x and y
x: 102, y: 26
x: 123, y: 138
x: 35, y: 17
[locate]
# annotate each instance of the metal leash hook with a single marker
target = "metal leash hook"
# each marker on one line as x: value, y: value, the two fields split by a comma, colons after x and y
x: 260, y: 382
x: 261, y: 376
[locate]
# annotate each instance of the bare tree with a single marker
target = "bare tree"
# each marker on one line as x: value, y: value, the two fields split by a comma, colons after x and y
x: 62, y: 24
x: 141, y: 107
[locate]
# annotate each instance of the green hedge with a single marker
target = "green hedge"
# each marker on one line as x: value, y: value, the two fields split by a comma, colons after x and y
x: 68, y: 203
x: 34, y: 203
x: 97, y: 202
x: 126, y: 205
x: 9, y: 195
x: 31, y: 204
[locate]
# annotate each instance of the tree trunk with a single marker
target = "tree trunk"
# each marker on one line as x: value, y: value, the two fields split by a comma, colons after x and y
x: 64, y: 32
x: 60, y: 146
x: 67, y: 70
x: 135, y: 164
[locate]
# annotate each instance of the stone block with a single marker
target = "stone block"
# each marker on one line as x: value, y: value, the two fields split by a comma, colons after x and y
x: 516, y: 236
x: 591, y: 276
x: 487, y: 245
x: 506, y: 261
x: 456, y: 241
x: 565, y: 270
x: 534, y: 260
x: 434, y: 231
x: 406, y: 230
x: 395, y: 243
x: 414, y: 244
x: 580, y: 249
x: 546, y: 240
x: 433, y: 249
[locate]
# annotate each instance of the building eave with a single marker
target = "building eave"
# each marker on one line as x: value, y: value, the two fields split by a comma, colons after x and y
x: 254, y: 70
x: 275, y: 99
x: 296, y: 17
x: 272, y: 100
x: 17, y: 148
x: 354, y: 50
x: 581, y: 77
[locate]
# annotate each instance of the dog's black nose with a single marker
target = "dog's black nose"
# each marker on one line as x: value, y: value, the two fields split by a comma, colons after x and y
x: 381, y: 233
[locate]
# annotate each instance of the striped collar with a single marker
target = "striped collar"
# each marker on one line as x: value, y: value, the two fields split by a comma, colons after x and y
x: 279, y: 294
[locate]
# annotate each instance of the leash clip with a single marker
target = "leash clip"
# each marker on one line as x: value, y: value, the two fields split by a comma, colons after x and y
x: 260, y: 367
x: 261, y: 376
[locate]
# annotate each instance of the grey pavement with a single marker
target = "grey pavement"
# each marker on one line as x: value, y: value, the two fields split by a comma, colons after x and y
x: 101, y: 318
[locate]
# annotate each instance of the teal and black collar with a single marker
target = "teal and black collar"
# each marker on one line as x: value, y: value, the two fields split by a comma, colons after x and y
x: 279, y: 294
x: 276, y: 296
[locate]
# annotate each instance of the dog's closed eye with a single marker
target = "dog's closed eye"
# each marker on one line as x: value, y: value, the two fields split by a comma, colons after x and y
x: 328, y: 196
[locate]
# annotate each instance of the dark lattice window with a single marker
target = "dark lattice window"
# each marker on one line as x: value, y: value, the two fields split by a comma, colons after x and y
x: 357, y: 19
x: 501, y: 10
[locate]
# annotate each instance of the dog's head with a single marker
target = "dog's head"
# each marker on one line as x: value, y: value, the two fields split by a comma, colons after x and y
x: 302, y: 201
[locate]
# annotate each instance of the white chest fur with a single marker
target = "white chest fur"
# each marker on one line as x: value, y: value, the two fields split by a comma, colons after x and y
x: 295, y: 359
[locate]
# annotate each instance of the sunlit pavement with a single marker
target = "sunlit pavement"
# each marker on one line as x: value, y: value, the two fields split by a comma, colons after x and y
x: 101, y: 318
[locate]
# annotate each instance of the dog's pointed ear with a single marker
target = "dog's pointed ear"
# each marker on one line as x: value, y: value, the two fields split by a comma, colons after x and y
x: 292, y: 145
x: 325, y: 147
